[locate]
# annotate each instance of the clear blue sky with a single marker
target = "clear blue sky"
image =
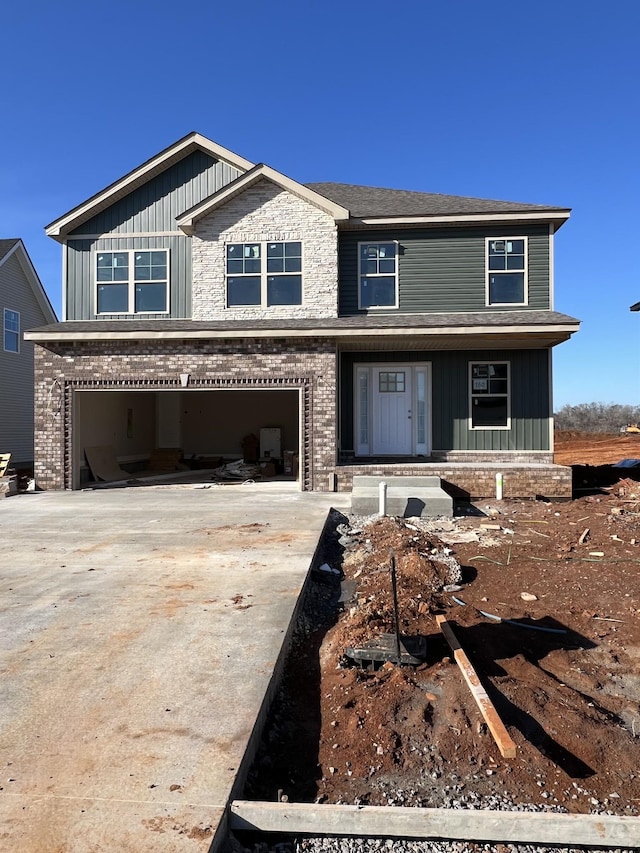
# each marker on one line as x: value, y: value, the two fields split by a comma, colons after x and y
x: 506, y: 100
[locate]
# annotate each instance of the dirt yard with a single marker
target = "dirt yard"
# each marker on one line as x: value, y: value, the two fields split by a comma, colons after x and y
x: 569, y: 695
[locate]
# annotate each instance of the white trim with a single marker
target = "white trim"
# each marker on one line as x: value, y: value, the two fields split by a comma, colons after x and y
x: 123, y: 235
x: 11, y: 331
x: 488, y: 273
x: 263, y: 275
x: 413, y: 368
x: 174, y: 153
x: 243, y: 332
x: 131, y: 281
x: 548, y: 216
x: 552, y: 261
x: 188, y: 219
x: 396, y: 302
x: 65, y: 284
x: 473, y: 428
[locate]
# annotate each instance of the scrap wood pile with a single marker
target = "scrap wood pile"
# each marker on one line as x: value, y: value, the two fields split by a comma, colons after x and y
x: 546, y: 605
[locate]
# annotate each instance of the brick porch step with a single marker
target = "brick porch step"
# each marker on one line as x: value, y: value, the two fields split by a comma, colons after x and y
x: 406, y: 496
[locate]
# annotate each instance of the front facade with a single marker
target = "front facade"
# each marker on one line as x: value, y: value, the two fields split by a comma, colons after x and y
x: 23, y: 304
x: 382, y: 331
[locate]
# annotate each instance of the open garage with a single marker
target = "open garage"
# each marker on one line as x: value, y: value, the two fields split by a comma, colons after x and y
x: 208, y: 427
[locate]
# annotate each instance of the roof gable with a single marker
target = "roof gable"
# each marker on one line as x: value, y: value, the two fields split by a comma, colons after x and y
x: 15, y: 247
x: 141, y: 175
x: 187, y: 221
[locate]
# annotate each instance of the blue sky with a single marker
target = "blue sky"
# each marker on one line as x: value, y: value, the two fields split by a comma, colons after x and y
x: 525, y: 102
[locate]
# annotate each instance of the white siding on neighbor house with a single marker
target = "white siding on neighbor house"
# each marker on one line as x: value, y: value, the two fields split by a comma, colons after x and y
x: 265, y: 212
x: 16, y: 369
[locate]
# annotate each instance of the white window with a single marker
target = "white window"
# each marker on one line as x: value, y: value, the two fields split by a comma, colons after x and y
x: 132, y: 282
x: 264, y: 273
x: 506, y: 271
x: 11, y: 331
x: 489, y: 394
x: 378, y: 275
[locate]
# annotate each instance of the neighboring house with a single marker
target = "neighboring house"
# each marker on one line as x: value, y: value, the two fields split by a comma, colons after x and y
x: 23, y: 304
x: 383, y: 331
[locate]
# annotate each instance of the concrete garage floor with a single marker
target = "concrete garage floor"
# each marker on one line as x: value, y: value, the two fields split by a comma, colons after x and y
x: 139, y: 634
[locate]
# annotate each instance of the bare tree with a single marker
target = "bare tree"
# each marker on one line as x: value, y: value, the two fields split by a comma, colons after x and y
x: 596, y: 417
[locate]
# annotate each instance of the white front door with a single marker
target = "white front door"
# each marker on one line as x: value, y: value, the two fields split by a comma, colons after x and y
x: 392, y: 409
x: 392, y: 396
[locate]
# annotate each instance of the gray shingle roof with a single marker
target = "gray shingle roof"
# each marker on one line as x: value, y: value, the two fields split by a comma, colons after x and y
x: 7, y: 245
x: 324, y: 327
x: 363, y: 202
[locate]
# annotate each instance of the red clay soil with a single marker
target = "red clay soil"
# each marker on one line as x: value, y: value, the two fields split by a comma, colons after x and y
x: 413, y: 735
x: 583, y: 448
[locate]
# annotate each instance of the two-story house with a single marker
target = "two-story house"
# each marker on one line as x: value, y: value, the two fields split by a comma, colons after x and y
x: 382, y: 331
x: 23, y: 304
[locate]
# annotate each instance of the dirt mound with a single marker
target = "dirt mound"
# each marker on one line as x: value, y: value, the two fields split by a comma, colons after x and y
x: 576, y: 448
x: 568, y: 694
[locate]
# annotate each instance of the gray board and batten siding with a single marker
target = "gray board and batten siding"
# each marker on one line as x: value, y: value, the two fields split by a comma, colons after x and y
x: 16, y: 368
x: 443, y: 269
x: 529, y: 398
x: 149, y: 209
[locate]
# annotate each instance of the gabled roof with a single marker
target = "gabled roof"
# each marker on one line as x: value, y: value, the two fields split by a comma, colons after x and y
x: 376, y: 204
x: 139, y: 176
x: 15, y: 246
x: 258, y: 173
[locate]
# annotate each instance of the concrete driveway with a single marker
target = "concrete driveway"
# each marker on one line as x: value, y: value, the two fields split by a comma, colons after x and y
x: 140, y: 630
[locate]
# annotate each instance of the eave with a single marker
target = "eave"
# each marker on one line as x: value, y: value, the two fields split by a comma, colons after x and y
x: 557, y: 218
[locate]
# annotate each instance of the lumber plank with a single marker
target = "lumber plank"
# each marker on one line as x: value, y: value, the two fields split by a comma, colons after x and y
x: 455, y: 824
x: 503, y: 739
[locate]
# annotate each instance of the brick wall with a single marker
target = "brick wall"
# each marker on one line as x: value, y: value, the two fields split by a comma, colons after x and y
x: 265, y: 212
x: 476, y: 480
x: 308, y: 364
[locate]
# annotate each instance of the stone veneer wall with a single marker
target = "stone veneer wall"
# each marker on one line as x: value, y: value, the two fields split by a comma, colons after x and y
x: 308, y: 364
x: 265, y: 212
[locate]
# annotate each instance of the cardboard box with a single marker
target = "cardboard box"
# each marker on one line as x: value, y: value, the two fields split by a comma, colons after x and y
x: 290, y: 463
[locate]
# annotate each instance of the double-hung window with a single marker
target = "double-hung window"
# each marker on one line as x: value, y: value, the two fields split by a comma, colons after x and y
x: 11, y: 331
x: 378, y: 275
x: 489, y: 394
x: 132, y: 282
x: 264, y: 273
x: 507, y: 271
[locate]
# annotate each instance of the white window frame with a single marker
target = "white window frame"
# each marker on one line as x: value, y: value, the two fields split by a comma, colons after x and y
x: 264, y: 275
x: 362, y: 275
x: 506, y: 395
x: 131, y: 281
x: 6, y: 330
x: 525, y: 271
x: 363, y: 420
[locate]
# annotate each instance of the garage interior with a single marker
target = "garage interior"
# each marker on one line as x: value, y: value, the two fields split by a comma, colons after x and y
x: 210, y: 427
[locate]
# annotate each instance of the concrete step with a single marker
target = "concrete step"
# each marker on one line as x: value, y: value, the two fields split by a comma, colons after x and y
x: 406, y: 496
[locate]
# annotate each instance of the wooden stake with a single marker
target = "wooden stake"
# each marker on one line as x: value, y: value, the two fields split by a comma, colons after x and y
x: 501, y: 736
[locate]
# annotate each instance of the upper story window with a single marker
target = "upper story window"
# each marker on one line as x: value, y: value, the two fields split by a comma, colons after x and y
x: 378, y: 275
x: 489, y: 394
x: 11, y: 331
x: 264, y: 273
x: 132, y: 282
x: 507, y: 271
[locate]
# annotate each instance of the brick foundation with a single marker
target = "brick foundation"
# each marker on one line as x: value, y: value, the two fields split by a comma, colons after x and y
x: 474, y: 480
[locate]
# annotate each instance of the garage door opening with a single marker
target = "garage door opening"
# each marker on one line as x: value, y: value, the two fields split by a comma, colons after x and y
x: 210, y: 428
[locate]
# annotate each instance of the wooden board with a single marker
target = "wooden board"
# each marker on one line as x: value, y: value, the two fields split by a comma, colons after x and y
x: 4, y: 463
x: 463, y: 824
x: 501, y: 736
x: 103, y: 463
